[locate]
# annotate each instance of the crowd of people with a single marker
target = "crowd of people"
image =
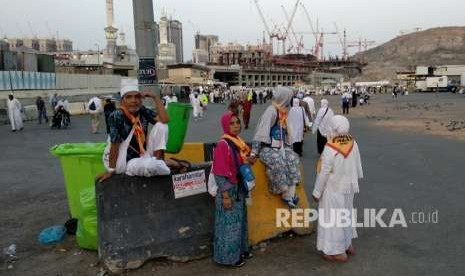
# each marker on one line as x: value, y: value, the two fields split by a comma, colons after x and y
x: 277, y: 143
x: 59, y: 106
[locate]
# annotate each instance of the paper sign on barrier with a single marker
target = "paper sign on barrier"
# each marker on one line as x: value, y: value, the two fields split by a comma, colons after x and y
x: 189, y: 184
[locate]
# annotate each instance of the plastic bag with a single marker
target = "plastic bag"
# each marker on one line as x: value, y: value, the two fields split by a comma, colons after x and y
x: 87, y: 235
x: 147, y: 166
x: 212, y: 186
x: 52, y: 235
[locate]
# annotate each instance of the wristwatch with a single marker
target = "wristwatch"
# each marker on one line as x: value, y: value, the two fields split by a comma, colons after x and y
x: 111, y: 170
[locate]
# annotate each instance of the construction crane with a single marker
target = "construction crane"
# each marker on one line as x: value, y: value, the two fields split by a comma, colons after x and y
x: 196, y: 30
x: 277, y: 33
x: 318, y: 52
x: 414, y: 30
x: 20, y: 30
x: 267, y: 29
x: 49, y: 30
x: 299, y: 45
x: 34, y: 34
x: 361, y: 44
x: 342, y: 41
x: 289, y: 24
x: 310, y: 23
x: 318, y: 35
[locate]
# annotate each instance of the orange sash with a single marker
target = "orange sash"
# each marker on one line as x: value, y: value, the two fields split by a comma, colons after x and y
x: 282, y: 114
x: 341, y: 144
x: 244, y: 149
x: 138, y: 129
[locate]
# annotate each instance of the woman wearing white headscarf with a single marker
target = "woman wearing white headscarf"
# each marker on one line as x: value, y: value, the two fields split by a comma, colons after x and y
x: 297, y: 121
x: 271, y: 144
x: 339, y: 170
x: 321, y: 124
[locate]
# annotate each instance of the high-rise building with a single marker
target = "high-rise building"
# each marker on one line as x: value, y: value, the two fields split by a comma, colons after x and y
x: 175, y: 37
x: 64, y: 45
x: 15, y: 43
x: 166, y: 49
x: 203, y: 44
x: 170, y: 32
x: 32, y: 43
x: 199, y: 56
x: 47, y: 45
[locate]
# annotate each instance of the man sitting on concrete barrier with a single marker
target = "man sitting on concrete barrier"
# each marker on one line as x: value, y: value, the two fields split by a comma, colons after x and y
x: 128, y: 150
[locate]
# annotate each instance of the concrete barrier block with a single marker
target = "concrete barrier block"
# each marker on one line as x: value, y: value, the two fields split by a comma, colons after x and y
x: 77, y: 108
x: 192, y: 152
x: 262, y: 211
x: 140, y: 219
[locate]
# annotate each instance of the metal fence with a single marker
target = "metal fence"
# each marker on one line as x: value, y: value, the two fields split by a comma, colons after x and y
x: 22, y: 80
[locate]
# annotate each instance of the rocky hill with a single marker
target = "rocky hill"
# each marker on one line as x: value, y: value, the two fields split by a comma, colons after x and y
x: 437, y: 46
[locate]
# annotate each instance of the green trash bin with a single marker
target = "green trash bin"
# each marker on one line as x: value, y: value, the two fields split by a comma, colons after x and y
x: 179, y: 114
x: 80, y: 163
x: 87, y: 231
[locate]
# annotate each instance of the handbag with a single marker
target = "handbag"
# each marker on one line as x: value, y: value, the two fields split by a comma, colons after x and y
x: 245, y: 174
x: 277, y: 134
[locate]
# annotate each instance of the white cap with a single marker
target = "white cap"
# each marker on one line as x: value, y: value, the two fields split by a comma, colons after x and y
x: 128, y: 85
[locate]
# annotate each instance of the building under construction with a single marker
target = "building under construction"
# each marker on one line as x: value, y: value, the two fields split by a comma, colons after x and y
x: 259, y: 65
x: 256, y: 66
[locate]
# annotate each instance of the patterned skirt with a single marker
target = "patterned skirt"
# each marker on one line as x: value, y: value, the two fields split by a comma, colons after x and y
x: 282, y: 171
x: 231, y: 237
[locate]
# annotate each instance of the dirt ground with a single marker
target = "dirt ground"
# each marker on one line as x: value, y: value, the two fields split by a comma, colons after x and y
x: 410, y: 168
x: 430, y: 114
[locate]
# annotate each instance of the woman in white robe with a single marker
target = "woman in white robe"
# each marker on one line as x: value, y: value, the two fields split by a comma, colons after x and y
x: 197, y: 108
x: 335, y: 186
x: 321, y: 124
x: 14, y: 113
x: 297, y: 121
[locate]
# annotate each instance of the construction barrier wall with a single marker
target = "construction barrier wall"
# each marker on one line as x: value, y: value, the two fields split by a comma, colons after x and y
x: 132, y: 232
x: 23, y: 80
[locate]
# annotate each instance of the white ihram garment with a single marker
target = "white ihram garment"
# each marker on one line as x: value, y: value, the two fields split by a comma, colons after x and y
x: 14, y: 114
x: 335, y: 186
x: 311, y: 104
x: 296, y: 120
x: 197, y: 109
x: 146, y: 165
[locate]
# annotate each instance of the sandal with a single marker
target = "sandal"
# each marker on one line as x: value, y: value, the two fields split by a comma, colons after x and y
x: 295, y: 200
x: 342, y: 258
x: 239, y: 263
x: 247, y: 255
x: 182, y: 166
x: 351, y: 251
x: 290, y: 203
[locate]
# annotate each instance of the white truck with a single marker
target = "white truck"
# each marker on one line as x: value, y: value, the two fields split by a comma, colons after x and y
x: 433, y: 83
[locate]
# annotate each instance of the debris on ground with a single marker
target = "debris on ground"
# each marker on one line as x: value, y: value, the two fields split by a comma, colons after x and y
x: 455, y: 125
x: 9, y: 253
x: 52, y: 235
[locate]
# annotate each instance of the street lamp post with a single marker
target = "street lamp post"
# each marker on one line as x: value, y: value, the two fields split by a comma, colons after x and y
x: 98, y: 55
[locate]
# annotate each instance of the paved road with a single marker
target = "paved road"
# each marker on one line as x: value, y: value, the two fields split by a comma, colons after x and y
x: 412, y: 172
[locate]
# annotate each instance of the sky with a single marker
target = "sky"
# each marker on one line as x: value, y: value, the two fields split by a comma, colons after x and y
x: 83, y: 21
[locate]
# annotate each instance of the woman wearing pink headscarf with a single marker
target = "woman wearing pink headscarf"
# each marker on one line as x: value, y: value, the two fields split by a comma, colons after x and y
x: 231, y: 240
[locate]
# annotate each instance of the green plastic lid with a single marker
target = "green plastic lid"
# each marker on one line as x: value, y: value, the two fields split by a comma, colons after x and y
x: 78, y: 149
